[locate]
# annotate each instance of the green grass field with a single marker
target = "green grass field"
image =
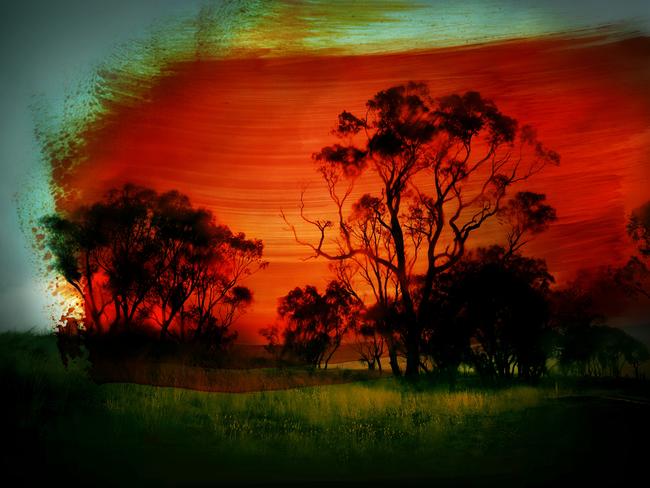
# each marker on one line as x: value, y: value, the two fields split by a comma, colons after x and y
x: 60, y: 426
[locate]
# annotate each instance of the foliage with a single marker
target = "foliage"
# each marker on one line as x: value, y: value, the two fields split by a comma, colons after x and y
x: 527, y: 214
x: 492, y: 312
x: 316, y: 323
x: 600, y: 350
x: 638, y: 228
x: 444, y: 167
x: 370, y: 345
x: 140, y: 259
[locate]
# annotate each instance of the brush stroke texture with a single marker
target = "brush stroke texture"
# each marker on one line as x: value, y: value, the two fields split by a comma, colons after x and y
x: 237, y: 135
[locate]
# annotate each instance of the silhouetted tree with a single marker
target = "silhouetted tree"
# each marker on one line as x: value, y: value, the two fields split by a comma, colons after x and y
x: 105, y: 251
x: 604, y: 351
x: 587, y: 346
x: 369, y: 344
x: 446, y: 341
x: 444, y: 165
x: 636, y: 353
x: 185, y: 241
x: 638, y: 228
x: 273, y: 337
x: 315, y: 323
x: 634, y: 276
x: 527, y: 214
x: 501, y: 299
x: 361, y: 274
x: 141, y: 257
x: 219, y: 299
x: 573, y: 316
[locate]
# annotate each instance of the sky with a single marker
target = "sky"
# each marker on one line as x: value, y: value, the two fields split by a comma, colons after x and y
x: 95, y: 95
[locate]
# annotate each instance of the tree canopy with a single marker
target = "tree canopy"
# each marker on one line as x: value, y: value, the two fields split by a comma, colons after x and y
x: 444, y: 166
x: 315, y: 323
x: 142, y: 259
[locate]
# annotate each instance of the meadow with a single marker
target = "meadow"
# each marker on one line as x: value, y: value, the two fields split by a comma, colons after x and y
x: 59, y: 426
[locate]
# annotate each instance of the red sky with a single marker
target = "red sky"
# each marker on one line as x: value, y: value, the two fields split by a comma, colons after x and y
x: 237, y: 135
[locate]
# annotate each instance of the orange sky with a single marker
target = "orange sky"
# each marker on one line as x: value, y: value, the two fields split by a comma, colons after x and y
x: 237, y: 134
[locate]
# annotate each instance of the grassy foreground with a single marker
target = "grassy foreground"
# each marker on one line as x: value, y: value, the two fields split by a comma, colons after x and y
x: 60, y: 426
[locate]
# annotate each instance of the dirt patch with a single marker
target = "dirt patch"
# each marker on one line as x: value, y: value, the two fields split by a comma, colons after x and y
x: 222, y: 380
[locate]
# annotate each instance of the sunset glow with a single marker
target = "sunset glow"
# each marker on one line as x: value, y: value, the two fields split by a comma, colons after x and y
x: 324, y: 242
x: 237, y: 135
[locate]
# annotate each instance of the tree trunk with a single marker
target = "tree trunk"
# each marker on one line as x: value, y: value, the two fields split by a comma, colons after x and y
x: 199, y: 326
x: 392, y: 359
x: 412, y: 352
x: 336, y: 346
x: 182, y: 323
x: 125, y: 315
x: 116, y: 321
x: 94, y: 312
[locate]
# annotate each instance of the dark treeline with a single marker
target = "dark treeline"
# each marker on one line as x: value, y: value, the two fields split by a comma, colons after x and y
x: 406, y: 284
x: 402, y: 267
x: 151, y: 266
x: 495, y: 313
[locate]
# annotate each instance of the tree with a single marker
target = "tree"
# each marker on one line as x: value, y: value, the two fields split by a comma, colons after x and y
x: 359, y: 273
x: 588, y: 347
x: 494, y: 312
x: 638, y: 228
x: 369, y: 345
x: 219, y: 299
x: 607, y: 350
x: 315, y: 323
x: 106, y: 253
x: 634, y: 276
x: 527, y: 214
x: 141, y: 258
x: 612, y: 288
x: 185, y: 241
x: 636, y: 353
x: 444, y: 166
x: 446, y: 342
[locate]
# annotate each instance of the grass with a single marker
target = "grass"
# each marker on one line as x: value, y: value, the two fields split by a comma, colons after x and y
x: 373, y: 432
x: 223, y: 380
